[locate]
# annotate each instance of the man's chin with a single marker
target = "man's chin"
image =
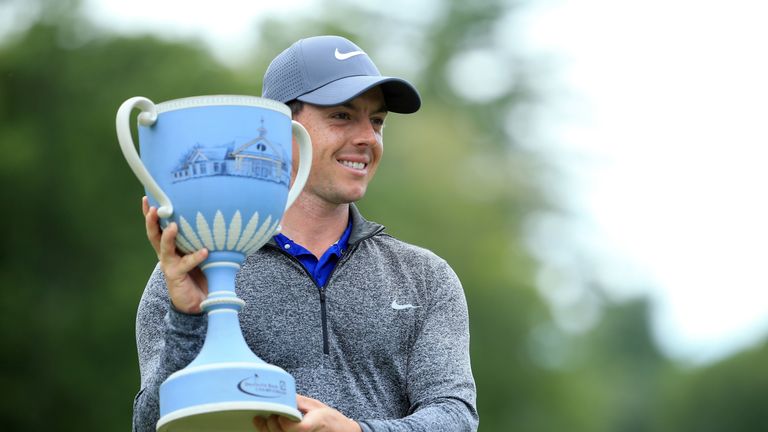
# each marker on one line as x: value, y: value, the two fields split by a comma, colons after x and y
x: 350, y: 197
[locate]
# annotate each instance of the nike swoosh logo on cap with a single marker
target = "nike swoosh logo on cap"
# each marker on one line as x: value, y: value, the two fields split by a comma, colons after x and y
x: 344, y: 56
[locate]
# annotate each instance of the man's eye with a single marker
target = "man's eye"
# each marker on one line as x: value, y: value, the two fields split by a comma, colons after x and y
x: 377, y: 121
x: 341, y: 116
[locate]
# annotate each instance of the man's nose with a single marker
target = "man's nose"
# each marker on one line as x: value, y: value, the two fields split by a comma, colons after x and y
x: 366, y: 133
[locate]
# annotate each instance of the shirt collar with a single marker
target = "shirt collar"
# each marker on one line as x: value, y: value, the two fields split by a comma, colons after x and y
x: 296, y: 249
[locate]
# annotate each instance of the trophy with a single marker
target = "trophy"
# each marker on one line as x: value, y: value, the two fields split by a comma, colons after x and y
x: 220, y: 167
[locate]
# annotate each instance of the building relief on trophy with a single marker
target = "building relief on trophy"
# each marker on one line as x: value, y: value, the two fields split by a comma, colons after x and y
x: 242, y: 157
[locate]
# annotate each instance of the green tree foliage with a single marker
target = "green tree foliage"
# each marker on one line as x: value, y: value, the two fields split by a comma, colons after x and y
x: 622, y: 371
x: 728, y: 396
x: 74, y: 258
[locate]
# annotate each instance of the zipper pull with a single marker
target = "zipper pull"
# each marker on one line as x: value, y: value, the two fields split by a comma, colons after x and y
x: 324, y: 321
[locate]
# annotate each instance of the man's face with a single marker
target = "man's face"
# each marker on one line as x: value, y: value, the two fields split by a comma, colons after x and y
x: 347, y: 146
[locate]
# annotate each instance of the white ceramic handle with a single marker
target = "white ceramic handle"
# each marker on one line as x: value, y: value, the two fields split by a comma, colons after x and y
x: 147, y: 117
x: 305, y: 161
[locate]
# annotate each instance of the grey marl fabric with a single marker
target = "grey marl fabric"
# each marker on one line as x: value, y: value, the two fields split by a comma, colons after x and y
x: 389, y: 369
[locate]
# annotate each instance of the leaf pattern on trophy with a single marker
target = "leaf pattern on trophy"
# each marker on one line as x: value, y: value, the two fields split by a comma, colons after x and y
x: 190, y: 235
x: 222, y: 237
x: 234, y: 230
x: 260, y: 237
x: 271, y: 232
x: 184, y: 244
x: 204, y: 231
x: 219, y: 230
x: 249, y: 229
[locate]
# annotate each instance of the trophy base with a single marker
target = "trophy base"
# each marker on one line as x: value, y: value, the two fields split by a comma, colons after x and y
x: 222, y: 417
x: 226, y: 385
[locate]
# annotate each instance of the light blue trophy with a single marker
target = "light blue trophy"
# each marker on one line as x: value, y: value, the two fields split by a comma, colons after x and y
x: 220, y: 167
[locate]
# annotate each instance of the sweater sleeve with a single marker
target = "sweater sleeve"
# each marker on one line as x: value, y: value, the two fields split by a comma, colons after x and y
x: 167, y: 340
x: 441, y: 388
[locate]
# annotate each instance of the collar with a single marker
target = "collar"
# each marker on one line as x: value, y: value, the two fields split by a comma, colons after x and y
x: 295, y: 249
x: 361, y: 228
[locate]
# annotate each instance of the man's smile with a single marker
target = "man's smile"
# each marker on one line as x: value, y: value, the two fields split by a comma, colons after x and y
x: 359, y: 166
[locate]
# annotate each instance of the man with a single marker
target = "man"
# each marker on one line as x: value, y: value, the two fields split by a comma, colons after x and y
x: 374, y: 330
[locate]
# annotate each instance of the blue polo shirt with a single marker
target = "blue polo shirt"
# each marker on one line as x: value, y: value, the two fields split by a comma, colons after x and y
x: 321, y: 269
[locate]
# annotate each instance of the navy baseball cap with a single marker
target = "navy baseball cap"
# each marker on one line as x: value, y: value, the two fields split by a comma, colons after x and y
x: 331, y: 70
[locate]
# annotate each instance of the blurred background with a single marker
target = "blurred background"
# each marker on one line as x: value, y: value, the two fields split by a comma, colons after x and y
x: 592, y: 169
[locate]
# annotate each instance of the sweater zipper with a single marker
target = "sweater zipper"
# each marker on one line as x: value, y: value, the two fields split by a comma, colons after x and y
x: 323, y: 310
x: 324, y: 319
x: 321, y: 289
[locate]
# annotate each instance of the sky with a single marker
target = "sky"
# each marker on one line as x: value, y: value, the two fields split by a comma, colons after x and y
x: 657, y: 121
x: 662, y: 129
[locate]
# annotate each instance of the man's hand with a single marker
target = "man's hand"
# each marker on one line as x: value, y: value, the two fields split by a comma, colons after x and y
x: 187, y: 285
x: 318, y: 417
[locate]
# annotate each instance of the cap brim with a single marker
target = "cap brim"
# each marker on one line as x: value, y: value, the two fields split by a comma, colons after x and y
x: 399, y: 95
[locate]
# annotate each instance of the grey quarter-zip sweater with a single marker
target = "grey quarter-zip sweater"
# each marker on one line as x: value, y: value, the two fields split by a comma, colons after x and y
x: 385, y: 342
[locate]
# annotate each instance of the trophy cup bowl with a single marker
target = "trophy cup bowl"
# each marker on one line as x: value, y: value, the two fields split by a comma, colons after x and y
x: 219, y: 166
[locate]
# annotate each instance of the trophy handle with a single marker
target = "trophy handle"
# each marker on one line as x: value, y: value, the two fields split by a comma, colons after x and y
x: 147, y: 117
x: 305, y: 161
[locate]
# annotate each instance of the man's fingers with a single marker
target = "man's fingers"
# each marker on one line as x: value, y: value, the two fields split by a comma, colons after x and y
x: 153, y: 229
x: 192, y: 260
x: 144, y: 205
x: 169, y: 254
x: 168, y: 241
x: 305, y: 404
x: 285, y: 423
x: 260, y: 423
x: 273, y: 425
